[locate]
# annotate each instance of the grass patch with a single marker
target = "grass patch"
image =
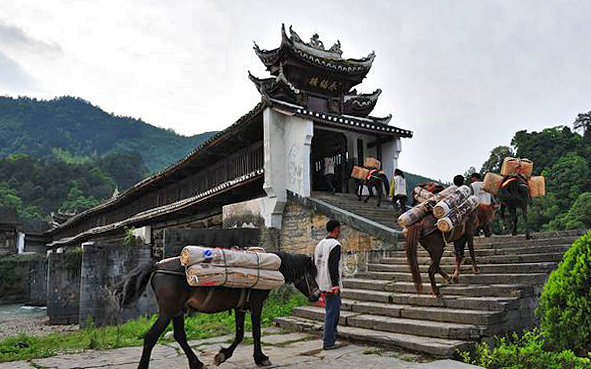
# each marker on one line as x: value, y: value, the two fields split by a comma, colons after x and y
x: 199, y: 326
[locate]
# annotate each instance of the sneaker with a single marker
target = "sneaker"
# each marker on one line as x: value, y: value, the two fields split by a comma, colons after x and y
x: 333, y: 346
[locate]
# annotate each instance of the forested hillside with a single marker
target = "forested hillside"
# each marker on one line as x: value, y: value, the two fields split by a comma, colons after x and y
x: 67, y: 154
x: 74, y: 127
x: 36, y: 187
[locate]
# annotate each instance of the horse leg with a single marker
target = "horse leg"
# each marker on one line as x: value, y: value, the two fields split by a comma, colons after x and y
x: 226, y: 353
x: 380, y: 193
x: 436, y: 253
x: 527, y: 235
x: 151, y: 338
x: 358, y: 189
x: 472, y: 254
x: 180, y: 336
x: 370, y: 190
x: 459, y: 247
x: 503, y: 206
x: 256, y: 311
x: 513, y: 212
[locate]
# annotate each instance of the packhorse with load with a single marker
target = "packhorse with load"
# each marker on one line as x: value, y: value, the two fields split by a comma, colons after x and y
x: 214, y: 280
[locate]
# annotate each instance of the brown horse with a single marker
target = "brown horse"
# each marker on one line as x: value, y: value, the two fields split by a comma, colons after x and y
x: 175, y: 296
x: 433, y: 240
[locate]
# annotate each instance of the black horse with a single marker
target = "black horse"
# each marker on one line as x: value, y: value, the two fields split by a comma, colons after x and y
x: 175, y: 296
x: 376, y: 181
x: 513, y: 194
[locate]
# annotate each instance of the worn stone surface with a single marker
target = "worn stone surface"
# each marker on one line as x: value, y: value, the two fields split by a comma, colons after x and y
x: 63, y: 291
x: 293, y: 350
x: 102, y: 267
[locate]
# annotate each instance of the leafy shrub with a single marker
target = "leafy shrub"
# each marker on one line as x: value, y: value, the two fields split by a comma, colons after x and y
x: 565, y: 303
x: 525, y: 352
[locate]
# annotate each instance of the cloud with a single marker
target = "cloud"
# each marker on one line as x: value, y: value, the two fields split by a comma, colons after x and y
x: 13, y: 77
x: 12, y: 36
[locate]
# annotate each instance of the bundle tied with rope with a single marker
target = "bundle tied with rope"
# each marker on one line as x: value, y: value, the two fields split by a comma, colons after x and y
x: 206, y: 267
x: 449, y: 206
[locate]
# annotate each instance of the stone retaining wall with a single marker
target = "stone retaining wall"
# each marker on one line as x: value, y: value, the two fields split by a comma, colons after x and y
x: 63, y: 291
x: 102, y: 267
x: 302, y: 228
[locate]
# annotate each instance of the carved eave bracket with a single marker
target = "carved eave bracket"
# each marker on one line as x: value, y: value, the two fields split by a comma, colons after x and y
x: 277, y: 87
x: 360, y: 104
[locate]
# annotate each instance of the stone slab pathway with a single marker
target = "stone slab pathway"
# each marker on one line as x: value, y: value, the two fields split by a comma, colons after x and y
x: 285, y: 350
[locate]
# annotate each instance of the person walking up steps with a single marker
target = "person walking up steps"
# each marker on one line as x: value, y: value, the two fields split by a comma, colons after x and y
x: 329, y: 173
x: 329, y: 265
x: 398, y: 191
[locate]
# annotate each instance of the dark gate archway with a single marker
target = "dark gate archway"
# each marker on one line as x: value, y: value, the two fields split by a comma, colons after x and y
x: 329, y: 144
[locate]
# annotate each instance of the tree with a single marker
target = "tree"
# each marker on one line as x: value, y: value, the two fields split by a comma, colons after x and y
x: 77, y: 202
x: 577, y: 217
x: 583, y: 122
x: 546, y: 147
x: 565, y: 302
x: 567, y: 178
x: 495, y: 160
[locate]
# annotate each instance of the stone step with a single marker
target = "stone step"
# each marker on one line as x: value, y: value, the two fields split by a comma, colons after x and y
x: 433, y: 346
x: 498, y: 290
x: 495, y: 259
x: 396, y: 325
x: 462, y: 316
x: 383, y: 271
x: 449, y: 251
x: 519, y: 242
x: 469, y: 278
x: 538, y: 236
x: 489, y: 303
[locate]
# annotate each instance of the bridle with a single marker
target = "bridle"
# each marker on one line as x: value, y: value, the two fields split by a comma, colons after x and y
x: 305, y: 278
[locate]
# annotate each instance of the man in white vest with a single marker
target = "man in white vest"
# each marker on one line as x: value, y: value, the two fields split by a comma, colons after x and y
x: 329, y: 264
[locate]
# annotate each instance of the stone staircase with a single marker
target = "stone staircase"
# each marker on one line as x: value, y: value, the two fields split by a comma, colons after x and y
x: 385, y: 214
x: 381, y: 305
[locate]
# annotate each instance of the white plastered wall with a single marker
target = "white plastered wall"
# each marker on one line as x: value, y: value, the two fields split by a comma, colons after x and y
x: 287, y: 145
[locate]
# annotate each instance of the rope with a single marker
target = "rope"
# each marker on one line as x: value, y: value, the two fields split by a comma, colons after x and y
x: 225, y: 268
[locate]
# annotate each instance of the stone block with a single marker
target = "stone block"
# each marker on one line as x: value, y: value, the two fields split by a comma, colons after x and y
x: 102, y: 267
x: 63, y: 290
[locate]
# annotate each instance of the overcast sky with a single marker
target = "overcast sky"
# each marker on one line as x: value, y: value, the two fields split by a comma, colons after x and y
x: 463, y: 75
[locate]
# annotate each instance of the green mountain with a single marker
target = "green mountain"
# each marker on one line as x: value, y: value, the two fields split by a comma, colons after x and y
x: 74, y: 128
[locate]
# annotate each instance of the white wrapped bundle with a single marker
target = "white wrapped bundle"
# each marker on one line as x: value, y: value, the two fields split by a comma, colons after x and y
x: 207, y: 275
x: 456, y: 216
x: 422, y: 195
x: 413, y: 215
x: 197, y: 254
x: 446, y: 205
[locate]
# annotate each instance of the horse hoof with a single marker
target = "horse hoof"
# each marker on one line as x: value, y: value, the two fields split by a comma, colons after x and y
x: 219, y: 358
x: 265, y: 362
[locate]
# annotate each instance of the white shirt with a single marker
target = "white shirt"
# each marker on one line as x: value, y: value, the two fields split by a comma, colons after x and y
x: 483, y: 196
x: 321, y: 255
x: 399, y: 186
x: 328, y: 166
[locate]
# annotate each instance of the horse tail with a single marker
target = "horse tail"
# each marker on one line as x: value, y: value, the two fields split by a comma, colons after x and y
x: 386, y: 183
x: 131, y: 287
x: 412, y: 240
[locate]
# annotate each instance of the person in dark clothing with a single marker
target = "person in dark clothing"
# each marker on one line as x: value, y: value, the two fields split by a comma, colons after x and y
x: 329, y: 265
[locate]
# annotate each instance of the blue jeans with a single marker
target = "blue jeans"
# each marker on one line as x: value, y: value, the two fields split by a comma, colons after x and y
x: 331, y: 319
